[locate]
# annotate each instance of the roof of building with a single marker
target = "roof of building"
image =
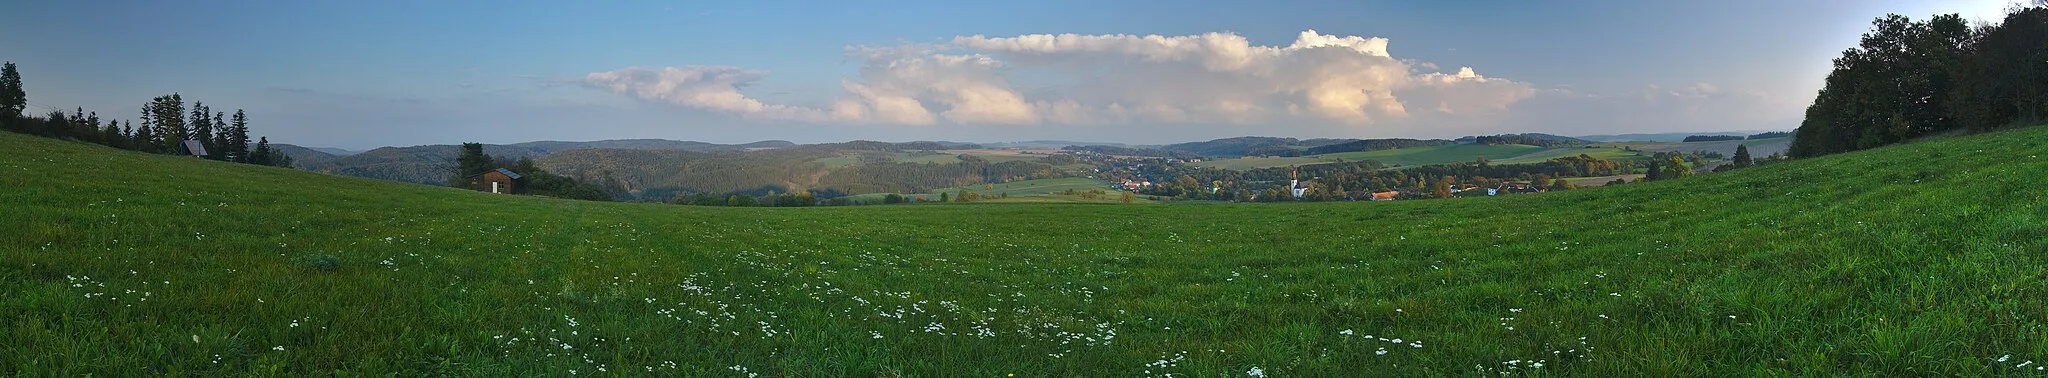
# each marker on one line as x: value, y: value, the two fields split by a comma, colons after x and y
x: 507, y: 172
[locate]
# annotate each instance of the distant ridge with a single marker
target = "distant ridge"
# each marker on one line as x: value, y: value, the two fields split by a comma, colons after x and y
x: 1657, y: 137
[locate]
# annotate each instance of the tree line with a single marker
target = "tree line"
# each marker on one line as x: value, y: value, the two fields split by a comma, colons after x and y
x: 167, y: 125
x: 1907, y: 79
x: 1374, y: 145
x: 1532, y: 139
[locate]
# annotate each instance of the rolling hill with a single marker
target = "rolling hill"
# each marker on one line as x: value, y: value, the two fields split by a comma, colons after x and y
x: 1502, y: 153
x: 1241, y: 146
x: 430, y: 164
x: 1917, y: 259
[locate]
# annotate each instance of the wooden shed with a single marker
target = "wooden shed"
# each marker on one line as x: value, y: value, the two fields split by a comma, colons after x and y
x: 496, y: 181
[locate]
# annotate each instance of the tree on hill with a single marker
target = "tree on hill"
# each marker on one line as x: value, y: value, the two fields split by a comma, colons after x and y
x: 13, y: 100
x: 1675, y: 167
x: 2003, y: 77
x: 144, y: 138
x: 1560, y: 184
x: 470, y: 162
x: 1907, y: 79
x: 264, y: 154
x: 167, y: 115
x: 1773, y: 134
x: 1711, y: 138
x: 202, y: 128
x: 1441, y: 188
x: 235, y: 142
x: 1742, y: 159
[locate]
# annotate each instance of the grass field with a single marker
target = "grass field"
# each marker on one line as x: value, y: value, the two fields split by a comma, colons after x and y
x: 1929, y: 259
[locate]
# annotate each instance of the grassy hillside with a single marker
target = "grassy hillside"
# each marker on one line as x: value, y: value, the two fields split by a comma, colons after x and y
x: 1911, y: 260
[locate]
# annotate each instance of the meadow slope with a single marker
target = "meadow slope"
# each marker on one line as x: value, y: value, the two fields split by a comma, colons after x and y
x: 1910, y: 260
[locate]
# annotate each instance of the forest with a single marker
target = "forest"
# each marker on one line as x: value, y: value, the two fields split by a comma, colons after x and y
x: 1908, y: 79
x: 165, y: 127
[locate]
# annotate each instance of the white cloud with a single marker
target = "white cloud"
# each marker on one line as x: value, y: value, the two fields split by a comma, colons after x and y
x: 1325, y: 82
x: 709, y: 88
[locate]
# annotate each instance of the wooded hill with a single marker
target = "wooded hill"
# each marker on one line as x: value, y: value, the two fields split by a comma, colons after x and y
x: 652, y: 169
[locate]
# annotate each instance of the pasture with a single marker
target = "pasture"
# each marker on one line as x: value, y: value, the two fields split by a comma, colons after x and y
x: 1919, y: 259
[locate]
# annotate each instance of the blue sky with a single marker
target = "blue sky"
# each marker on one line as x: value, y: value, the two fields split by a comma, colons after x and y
x: 373, y: 73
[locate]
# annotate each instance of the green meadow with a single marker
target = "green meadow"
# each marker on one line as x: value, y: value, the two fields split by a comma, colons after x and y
x: 1922, y: 259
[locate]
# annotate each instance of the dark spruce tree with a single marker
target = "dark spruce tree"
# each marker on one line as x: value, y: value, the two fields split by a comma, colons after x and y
x: 13, y: 100
x: 1742, y: 158
x: 261, y: 155
x: 235, y: 141
x: 472, y: 161
x: 202, y: 128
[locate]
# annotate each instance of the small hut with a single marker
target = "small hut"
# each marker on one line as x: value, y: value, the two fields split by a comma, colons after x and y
x: 194, y: 148
x: 496, y: 181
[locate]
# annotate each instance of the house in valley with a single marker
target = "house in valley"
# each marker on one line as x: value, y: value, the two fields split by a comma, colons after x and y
x: 496, y: 181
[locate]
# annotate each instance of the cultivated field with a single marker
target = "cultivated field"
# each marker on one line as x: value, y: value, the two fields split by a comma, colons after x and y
x: 1929, y: 259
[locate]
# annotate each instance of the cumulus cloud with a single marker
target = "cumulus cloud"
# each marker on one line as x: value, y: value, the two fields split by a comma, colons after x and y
x: 1212, y: 78
x: 709, y: 88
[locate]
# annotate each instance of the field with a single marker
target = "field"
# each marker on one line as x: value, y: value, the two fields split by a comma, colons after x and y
x: 1927, y: 259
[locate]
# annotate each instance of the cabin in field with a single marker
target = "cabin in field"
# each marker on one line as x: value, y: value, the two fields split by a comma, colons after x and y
x: 496, y: 181
x: 194, y: 148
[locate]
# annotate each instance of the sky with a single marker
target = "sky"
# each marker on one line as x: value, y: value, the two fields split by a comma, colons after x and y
x: 363, y: 74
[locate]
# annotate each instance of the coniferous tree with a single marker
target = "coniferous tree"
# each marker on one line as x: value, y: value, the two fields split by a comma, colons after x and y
x: 201, y: 128
x: 261, y: 155
x: 13, y: 100
x: 277, y: 158
x: 55, y: 125
x: 1742, y: 158
x: 472, y: 161
x: 144, y: 138
x: 236, y: 143
x: 217, y: 146
x: 110, y: 135
x: 166, y: 115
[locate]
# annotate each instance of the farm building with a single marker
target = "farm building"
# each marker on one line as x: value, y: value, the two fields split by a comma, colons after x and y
x: 1518, y: 188
x: 496, y: 181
